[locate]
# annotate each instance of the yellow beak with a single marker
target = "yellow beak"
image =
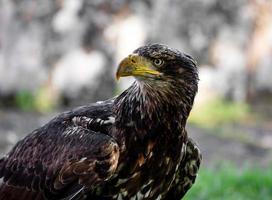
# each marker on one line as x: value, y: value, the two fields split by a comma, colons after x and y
x: 135, y: 65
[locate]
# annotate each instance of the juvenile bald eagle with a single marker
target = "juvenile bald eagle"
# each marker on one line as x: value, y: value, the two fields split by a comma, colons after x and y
x: 133, y: 146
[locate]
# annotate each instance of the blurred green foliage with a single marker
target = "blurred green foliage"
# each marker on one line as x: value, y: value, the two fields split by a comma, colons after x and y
x: 29, y: 101
x: 24, y: 100
x: 217, y: 112
x: 229, y: 183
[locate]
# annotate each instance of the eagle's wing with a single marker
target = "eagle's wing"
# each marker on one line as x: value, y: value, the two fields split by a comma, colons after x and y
x: 71, y: 153
x: 186, y: 173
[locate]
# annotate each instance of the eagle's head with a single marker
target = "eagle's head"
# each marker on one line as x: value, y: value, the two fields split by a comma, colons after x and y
x: 164, y: 77
x: 157, y: 63
x: 161, y: 67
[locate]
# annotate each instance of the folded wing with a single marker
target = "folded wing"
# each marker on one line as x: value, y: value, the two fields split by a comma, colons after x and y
x: 60, y: 160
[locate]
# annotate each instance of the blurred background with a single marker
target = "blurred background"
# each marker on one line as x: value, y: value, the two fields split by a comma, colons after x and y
x: 58, y: 54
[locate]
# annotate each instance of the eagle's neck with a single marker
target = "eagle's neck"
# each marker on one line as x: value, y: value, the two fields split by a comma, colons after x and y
x: 146, y: 106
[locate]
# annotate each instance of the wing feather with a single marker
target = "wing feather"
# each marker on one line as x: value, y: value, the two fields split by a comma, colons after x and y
x: 61, y: 158
x: 187, y: 172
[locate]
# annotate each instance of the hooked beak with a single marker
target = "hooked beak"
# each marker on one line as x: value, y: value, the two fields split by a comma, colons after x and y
x: 135, y: 65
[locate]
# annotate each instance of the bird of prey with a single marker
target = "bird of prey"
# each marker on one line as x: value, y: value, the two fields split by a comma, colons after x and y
x: 133, y: 146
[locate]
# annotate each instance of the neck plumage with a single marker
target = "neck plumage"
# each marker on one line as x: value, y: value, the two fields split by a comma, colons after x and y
x: 146, y: 106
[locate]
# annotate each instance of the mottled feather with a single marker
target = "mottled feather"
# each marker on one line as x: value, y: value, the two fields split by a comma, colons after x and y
x: 63, y: 156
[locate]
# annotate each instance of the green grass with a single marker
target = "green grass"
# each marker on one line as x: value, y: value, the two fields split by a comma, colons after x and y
x: 217, y: 112
x: 228, y: 183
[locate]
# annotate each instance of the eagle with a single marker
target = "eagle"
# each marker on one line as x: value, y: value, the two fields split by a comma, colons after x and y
x: 132, y: 146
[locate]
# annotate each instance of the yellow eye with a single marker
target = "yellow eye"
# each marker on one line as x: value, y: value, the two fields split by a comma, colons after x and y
x: 158, y: 62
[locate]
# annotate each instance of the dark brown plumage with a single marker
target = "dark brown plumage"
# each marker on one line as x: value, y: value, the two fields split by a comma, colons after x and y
x: 133, y: 146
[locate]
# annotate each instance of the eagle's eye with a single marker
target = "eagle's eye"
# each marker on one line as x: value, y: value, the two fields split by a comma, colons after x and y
x: 158, y: 62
